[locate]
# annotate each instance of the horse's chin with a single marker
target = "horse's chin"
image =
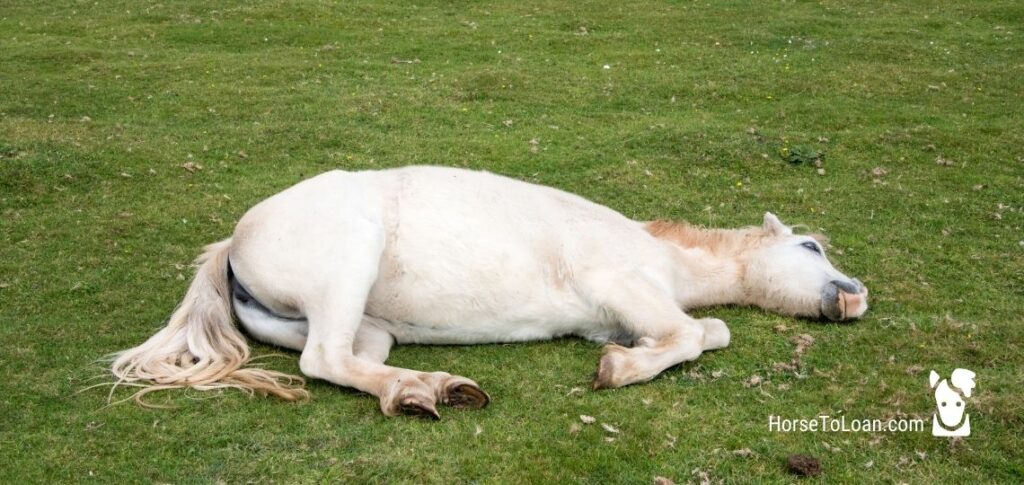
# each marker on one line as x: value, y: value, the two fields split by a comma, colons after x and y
x: 843, y: 300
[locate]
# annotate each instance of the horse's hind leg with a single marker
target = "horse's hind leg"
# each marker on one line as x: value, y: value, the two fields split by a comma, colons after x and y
x: 333, y: 342
x: 665, y: 335
x: 336, y: 353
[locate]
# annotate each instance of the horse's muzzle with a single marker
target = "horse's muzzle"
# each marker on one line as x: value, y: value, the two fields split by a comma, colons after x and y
x: 844, y: 300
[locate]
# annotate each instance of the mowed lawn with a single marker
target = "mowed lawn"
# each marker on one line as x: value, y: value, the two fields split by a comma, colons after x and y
x: 132, y: 133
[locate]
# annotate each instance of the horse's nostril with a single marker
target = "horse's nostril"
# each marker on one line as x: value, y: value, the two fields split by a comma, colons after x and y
x: 860, y: 286
x: 848, y: 286
x: 830, y: 302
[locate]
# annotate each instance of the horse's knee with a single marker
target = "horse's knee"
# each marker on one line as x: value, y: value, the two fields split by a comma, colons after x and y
x: 687, y: 350
x: 687, y: 343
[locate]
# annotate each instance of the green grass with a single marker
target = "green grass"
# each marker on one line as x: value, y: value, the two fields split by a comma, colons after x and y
x: 102, y: 103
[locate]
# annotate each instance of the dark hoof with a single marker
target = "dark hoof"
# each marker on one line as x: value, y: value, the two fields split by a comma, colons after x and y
x: 468, y: 396
x: 416, y: 407
x: 606, y: 368
x: 603, y: 378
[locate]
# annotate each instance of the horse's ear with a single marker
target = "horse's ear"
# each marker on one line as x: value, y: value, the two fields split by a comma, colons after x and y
x: 772, y: 225
x: 933, y: 378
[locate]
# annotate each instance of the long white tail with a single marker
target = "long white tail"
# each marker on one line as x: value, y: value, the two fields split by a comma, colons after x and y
x: 200, y: 347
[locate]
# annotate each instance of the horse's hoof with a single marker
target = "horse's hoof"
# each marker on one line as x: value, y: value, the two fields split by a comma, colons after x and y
x: 606, y: 367
x: 466, y: 395
x: 409, y: 398
x: 415, y: 406
x: 460, y: 392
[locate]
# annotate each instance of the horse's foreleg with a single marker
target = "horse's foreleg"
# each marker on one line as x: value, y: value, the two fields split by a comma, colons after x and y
x: 372, y: 342
x: 665, y: 335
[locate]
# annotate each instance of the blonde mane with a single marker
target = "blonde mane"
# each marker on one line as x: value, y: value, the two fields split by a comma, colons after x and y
x: 718, y: 241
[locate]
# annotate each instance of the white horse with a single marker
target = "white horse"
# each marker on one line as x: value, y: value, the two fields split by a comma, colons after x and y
x: 344, y: 265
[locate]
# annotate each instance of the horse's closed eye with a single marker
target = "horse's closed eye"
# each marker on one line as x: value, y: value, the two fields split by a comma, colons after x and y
x: 810, y: 245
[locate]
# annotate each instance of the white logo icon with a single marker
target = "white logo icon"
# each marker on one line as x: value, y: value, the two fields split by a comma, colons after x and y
x: 950, y: 394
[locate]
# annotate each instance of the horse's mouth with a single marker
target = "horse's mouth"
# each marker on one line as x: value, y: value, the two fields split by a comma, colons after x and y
x: 844, y: 300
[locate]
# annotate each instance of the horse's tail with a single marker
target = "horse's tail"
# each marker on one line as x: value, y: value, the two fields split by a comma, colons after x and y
x: 200, y: 348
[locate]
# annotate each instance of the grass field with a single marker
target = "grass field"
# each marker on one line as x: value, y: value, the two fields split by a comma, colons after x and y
x: 132, y: 133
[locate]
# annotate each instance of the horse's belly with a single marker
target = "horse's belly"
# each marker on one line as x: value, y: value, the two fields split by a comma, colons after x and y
x: 485, y: 332
x: 417, y: 315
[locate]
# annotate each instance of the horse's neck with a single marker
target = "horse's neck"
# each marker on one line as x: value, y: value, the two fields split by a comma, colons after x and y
x: 708, y: 270
x: 706, y: 279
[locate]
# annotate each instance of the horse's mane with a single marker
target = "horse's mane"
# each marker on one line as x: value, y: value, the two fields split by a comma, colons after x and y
x: 715, y: 240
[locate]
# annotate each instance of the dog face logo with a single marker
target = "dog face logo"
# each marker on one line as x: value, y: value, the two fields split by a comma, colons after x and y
x: 950, y: 395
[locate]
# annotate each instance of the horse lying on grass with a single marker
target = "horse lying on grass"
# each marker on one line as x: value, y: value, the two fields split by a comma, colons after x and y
x: 346, y: 264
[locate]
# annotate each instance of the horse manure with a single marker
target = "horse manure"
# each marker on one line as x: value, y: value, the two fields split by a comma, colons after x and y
x: 803, y: 465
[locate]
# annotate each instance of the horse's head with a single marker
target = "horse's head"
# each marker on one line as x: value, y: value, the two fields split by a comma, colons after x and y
x: 790, y: 274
